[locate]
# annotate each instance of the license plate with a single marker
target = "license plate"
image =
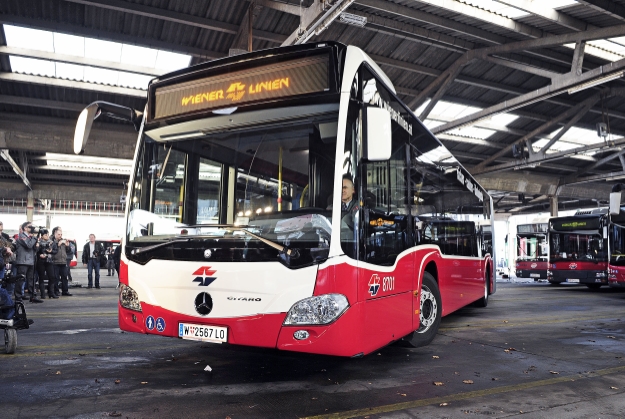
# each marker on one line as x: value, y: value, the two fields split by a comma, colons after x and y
x: 203, y: 333
x: 534, y: 275
x: 573, y: 280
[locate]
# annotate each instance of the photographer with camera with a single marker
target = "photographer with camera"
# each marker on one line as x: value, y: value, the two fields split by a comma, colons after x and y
x: 6, y: 251
x: 27, y: 246
x: 59, y: 257
x: 45, y: 267
x: 91, y: 257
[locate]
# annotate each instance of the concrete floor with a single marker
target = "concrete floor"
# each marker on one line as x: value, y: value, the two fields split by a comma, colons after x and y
x: 536, y: 351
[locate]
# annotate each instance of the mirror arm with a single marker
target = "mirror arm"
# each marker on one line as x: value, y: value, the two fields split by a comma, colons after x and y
x: 116, y: 111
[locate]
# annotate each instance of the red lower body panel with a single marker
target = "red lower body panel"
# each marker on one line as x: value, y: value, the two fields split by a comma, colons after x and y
x: 363, y: 328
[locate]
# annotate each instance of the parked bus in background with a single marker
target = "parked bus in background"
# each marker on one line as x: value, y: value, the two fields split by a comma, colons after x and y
x: 532, y: 255
x: 578, y: 248
x: 287, y: 198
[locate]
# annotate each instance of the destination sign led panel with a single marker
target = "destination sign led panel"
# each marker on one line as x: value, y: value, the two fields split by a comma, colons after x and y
x: 273, y: 81
x: 532, y: 228
x: 576, y: 224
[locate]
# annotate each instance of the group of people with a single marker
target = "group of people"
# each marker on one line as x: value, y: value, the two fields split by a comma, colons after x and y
x: 38, y: 256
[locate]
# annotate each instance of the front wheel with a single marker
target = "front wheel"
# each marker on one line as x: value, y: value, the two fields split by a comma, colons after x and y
x: 429, y: 314
x: 593, y: 287
x: 483, y: 302
x: 10, y: 340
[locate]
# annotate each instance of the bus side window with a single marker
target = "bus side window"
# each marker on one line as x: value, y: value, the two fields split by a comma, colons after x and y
x: 384, y: 238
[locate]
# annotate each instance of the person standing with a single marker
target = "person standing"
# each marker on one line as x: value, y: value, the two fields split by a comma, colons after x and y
x: 110, y: 265
x: 71, y: 252
x: 6, y: 252
x: 59, y: 258
x: 91, y: 253
x: 26, y: 248
x: 117, y: 255
x: 45, y: 267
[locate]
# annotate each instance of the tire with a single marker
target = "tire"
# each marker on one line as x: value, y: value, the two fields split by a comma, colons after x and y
x: 483, y: 302
x: 10, y: 340
x: 430, y: 313
x: 593, y: 287
x: 554, y: 283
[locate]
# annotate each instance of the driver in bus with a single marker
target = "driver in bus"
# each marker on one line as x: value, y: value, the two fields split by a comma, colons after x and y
x: 349, y: 204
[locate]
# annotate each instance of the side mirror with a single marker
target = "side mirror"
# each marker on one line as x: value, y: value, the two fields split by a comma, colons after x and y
x: 377, y: 138
x: 83, y: 127
x: 615, y: 203
x: 91, y: 112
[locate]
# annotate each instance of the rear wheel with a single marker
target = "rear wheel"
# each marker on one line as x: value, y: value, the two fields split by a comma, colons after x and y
x: 554, y: 283
x: 429, y: 314
x: 594, y: 286
x: 10, y: 340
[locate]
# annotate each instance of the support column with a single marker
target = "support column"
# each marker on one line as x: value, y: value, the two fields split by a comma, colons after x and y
x: 30, y: 205
x: 553, y: 206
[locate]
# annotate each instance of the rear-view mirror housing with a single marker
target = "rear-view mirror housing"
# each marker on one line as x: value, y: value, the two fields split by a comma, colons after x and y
x: 377, y: 138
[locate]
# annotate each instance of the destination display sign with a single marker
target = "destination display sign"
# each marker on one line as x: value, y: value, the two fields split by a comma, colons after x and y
x: 576, y: 224
x: 532, y: 228
x: 272, y: 81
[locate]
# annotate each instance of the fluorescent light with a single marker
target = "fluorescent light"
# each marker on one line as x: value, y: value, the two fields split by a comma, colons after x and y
x: 596, y: 82
x: 81, y: 163
x: 354, y: 20
x: 617, y: 177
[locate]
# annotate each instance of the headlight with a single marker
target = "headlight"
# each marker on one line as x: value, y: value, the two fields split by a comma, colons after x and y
x: 322, y: 309
x: 128, y: 298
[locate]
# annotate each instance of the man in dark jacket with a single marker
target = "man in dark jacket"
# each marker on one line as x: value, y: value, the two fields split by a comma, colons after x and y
x: 26, y: 248
x: 91, y: 253
x: 59, y: 258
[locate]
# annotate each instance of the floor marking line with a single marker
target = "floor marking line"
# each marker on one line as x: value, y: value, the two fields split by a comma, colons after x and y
x: 514, y: 323
x: 467, y: 395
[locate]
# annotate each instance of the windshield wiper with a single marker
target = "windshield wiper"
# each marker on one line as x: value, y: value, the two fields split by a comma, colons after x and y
x: 159, y: 245
x: 282, y: 249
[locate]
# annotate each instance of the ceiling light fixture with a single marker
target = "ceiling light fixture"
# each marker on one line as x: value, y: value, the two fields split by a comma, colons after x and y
x: 353, y: 20
x: 596, y: 82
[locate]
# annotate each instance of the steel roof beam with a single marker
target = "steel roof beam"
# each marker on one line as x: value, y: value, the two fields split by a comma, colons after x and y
x: 73, y: 59
x: 72, y: 84
x: 521, y: 67
x: 558, y: 85
x: 16, y: 168
x: 108, y: 36
x: 608, y: 7
x: 413, y: 33
x: 432, y: 19
x: 41, y: 103
x: 560, y: 118
x: 601, y: 161
x: 551, y: 41
x: 551, y: 157
x: 176, y: 17
x: 537, y: 8
x: 282, y: 7
x: 486, y: 16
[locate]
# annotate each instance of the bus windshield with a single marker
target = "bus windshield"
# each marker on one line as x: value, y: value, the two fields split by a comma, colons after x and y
x: 617, y: 245
x: 577, y: 247
x: 272, y: 179
x: 532, y: 247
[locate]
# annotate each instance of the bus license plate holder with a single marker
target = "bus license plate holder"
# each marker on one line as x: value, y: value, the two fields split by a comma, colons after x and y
x: 572, y: 280
x: 203, y: 332
x: 534, y: 275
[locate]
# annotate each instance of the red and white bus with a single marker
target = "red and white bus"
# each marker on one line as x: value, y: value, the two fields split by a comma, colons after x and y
x: 237, y: 225
x: 578, y: 248
x: 532, y: 249
x: 616, y: 237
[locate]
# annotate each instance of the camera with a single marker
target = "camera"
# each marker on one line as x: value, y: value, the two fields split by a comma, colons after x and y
x: 36, y: 230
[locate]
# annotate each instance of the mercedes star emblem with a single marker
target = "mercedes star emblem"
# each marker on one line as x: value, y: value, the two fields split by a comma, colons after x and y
x: 208, y: 253
x: 203, y: 303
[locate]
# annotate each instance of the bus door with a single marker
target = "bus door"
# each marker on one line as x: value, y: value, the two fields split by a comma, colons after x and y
x: 387, y: 263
